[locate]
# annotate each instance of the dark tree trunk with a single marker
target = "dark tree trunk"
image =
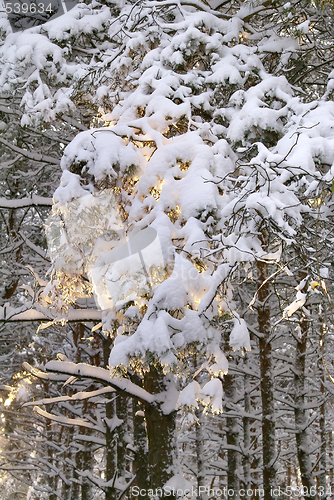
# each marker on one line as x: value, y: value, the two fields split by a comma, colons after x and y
x: 13, y: 229
x: 111, y: 451
x: 200, y: 458
x: 232, y: 429
x: 86, y: 485
x: 267, y: 381
x: 301, y: 418
x: 322, y: 479
x: 122, y: 411
x: 246, y: 431
x: 323, y: 435
x: 140, y: 463
x: 66, y: 438
x: 330, y: 459
x: 76, y: 480
x: 161, y: 433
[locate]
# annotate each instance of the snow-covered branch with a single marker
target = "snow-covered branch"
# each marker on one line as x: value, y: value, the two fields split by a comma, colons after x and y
x: 37, y: 315
x: 68, y: 421
x: 31, y: 156
x: 79, y: 396
x: 102, y: 375
x: 35, y: 200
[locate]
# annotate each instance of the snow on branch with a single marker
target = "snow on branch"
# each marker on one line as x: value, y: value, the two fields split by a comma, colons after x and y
x: 38, y: 315
x: 67, y: 421
x: 35, y: 200
x: 32, y: 246
x: 102, y: 375
x: 42, y: 375
x: 79, y: 396
x: 193, y: 3
x: 31, y: 156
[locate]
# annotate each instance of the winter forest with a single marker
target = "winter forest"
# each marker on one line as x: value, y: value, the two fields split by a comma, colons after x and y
x: 166, y: 235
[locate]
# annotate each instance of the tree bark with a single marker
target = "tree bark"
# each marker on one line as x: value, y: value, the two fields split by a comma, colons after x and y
x: 140, y: 463
x: 200, y: 450
x: 301, y: 420
x: 161, y: 433
x: 246, y: 432
x: 232, y: 429
x: 111, y: 455
x: 323, y: 434
x: 122, y: 412
x: 267, y: 381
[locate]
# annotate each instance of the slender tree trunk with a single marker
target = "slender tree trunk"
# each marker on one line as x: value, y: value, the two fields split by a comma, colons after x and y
x: 13, y: 229
x: 301, y: 419
x: 87, y: 464
x: 161, y: 433
x: 323, y: 435
x: 65, y: 491
x: 246, y: 431
x: 288, y: 475
x: 323, y: 450
x: 76, y: 480
x: 122, y: 403
x: 66, y: 438
x: 140, y: 463
x: 267, y: 379
x: 51, y: 480
x: 331, y: 459
x: 200, y: 450
x: 82, y: 488
x: 111, y: 451
x: 232, y: 428
x: 83, y: 458
x: 85, y: 461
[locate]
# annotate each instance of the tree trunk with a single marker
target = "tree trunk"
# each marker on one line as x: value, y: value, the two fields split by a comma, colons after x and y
x: 323, y: 435
x: 301, y: 420
x: 111, y: 454
x: 200, y: 450
x: 86, y: 462
x: 323, y: 450
x: 140, y: 463
x: 122, y: 403
x: 232, y: 429
x: 331, y: 459
x: 161, y: 433
x: 66, y: 438
x: 246, y: 431
x: 267, y: 381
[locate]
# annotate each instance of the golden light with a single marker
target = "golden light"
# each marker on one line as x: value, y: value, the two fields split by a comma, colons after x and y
x: 183, y: 165
x: 155, y: 192
x: 200, y: 266
x: 174, y: 214
x: 8, y: 401
x: 243, y: 37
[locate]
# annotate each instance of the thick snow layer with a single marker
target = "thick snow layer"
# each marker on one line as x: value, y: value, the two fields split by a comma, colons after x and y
x: 212, y: 395
x: 204, y: 147
x: 190, y: 395
x: 239, y: 336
